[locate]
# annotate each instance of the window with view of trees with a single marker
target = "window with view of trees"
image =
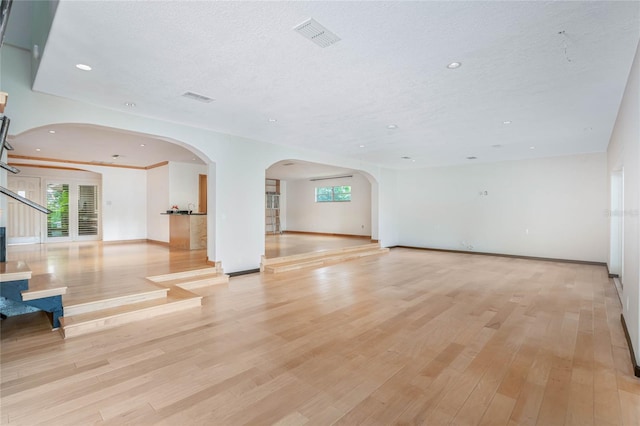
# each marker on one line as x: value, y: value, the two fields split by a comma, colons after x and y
x: 328, y: 194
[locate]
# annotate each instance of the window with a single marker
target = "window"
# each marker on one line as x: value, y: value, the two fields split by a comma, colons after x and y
x: 327, y: 194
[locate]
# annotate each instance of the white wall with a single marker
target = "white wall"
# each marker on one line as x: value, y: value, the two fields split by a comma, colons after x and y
x: 236, y: 165
x: 184, y: 181
x: 624, y: 153
x: 351, y: 218
x: 124, y: 204
x: 552, y: 207
x: 124, y: 198
x: 283, y: 204
x: 157, y: 203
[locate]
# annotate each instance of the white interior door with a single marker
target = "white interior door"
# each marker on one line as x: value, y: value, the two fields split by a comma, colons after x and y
x: 24, y: 224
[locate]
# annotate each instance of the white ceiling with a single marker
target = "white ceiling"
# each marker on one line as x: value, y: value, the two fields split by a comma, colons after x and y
x: 555, y: 70
x: 98, y: 144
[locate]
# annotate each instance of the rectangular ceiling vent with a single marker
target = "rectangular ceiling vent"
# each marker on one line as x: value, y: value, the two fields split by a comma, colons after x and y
x: 315, y: 32
x: 197, y: 97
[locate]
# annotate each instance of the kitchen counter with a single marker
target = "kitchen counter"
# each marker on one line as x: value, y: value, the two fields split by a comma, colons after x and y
x: 187, y: 231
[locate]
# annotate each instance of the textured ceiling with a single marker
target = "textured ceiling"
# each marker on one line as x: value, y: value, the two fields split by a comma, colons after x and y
x: 555, y: 70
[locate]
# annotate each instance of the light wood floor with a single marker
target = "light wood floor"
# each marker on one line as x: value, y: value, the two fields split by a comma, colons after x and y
x: 96, y: 270
x: 412, y: 337
x: 280, y: 245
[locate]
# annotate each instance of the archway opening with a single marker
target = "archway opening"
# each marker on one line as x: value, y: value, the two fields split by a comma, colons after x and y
x: 312, y: 207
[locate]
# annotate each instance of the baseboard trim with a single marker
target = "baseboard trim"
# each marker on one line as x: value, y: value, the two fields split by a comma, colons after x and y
x: 247, y: 272
x: 513, y: 256
x: 636, y: 367
x: 328, y: 234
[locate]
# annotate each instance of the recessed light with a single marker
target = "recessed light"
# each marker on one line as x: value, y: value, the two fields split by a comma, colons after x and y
x: 129, y: 104
x: 506, y: 122
x: 272, y: 120
x: 532, y: 147
x: 142, y: 144
x: 38, y: 149
x: 361, y: 146
x: 392, y: 126
x: 52, y: 131
x: 471, y: 157
x: 454, y: 65
x: 83, y: 67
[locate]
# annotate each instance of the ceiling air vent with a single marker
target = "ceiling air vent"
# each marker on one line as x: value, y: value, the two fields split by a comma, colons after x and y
x: 197, y: 97
x: 315, y: 32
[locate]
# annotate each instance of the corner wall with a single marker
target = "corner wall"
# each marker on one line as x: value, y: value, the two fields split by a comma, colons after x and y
x: 552, y: 207
x: 624, y: 154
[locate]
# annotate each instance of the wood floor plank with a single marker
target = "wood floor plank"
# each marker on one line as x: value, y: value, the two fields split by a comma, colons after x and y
x: 413, y: 337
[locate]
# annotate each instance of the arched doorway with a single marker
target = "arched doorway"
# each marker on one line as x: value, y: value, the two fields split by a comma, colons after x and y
x: 319, y: 207
x: 139, y: 177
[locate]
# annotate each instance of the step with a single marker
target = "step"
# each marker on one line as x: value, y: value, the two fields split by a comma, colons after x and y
x: 183, y: 274
x: 327, y: 259
x: 114, y: 302
x: 320, y: 254
x: 104, y: 319
x: 14, y: 271
x: 41, y: 286
x: 190, y: 280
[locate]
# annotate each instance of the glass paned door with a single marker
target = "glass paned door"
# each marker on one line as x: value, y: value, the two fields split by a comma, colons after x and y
x: 58, y: 203
x: 87, y: 210
x: 75, y: 211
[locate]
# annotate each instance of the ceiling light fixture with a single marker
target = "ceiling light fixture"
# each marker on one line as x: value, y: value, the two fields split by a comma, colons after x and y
x: 392, y: 126
x: 38, y: 149
x: 129, y: 104
x: 52, y: 131
x: 361, y: 146
x: 506, y: 122
x: 115, y: 156
x: 142, y: 144
x: 454, y: 65
x: 272, y: 120
x: 83, y: 67
x: 532, y: 147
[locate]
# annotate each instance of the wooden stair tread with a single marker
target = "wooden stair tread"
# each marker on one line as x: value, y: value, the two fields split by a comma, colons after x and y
x: 194, y: 273
x: 322, y: 261
x: 111, y: 302
x: 215, y: 278
x: 320, y: 254
x: 177, y: 299
x: 41, y: 286
x: 14, y: 271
